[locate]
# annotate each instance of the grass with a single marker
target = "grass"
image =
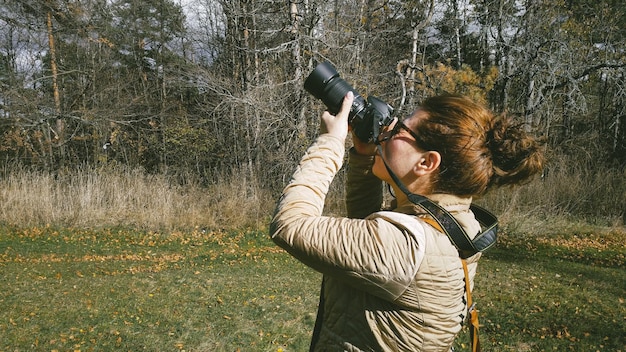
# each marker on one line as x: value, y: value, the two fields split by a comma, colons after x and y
x: 118, y: 289
x: 119, y: 260
x: 122, y: 290
x: 555, y: 293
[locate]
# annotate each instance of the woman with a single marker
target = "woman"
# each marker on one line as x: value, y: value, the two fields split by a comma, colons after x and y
x: 393, y: 281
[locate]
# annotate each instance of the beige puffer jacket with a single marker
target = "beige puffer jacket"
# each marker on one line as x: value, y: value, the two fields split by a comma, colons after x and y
x: 391, y: 281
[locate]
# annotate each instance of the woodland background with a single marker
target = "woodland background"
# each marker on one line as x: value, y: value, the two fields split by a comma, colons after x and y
x: 202, y: 91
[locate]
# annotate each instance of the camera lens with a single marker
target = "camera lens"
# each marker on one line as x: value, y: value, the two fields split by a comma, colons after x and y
x: 324, y: 83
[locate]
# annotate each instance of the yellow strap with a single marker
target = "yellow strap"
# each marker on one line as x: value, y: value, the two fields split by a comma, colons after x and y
x: 473, y: 313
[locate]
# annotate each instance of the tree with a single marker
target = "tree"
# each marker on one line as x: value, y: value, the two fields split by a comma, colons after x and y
x: 39, y: 16
x: 220, y: 87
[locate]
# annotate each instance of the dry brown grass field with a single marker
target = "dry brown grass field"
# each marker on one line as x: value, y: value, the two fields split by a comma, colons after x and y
x: 129, y: 198
x: 104, y: 197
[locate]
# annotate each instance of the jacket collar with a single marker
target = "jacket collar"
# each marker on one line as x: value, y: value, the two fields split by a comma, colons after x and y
x: 459, y: 207
x: 453, y: 204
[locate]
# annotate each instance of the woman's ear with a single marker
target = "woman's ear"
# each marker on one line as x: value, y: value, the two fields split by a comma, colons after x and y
x: 428, y: 162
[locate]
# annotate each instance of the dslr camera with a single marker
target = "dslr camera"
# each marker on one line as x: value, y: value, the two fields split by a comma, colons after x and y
x: 366, y: 116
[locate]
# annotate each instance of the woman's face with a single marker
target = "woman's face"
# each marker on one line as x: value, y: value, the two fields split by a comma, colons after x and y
x: 400, y: 152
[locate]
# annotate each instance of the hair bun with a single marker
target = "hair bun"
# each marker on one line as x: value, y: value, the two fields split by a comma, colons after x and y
x: 516, y: 155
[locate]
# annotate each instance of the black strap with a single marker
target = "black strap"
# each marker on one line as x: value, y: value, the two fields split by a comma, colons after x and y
x: 467, y: 247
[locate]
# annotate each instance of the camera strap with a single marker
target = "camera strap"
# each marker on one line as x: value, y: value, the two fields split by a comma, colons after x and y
x: 466, y: 246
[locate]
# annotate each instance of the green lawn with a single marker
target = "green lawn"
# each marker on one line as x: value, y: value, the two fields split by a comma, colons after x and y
x: 127, y: 290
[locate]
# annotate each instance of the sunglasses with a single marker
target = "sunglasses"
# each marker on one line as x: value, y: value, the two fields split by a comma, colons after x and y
x: 388, y: 134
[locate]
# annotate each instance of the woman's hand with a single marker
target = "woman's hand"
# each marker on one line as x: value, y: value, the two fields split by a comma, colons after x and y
x: 338, y: 125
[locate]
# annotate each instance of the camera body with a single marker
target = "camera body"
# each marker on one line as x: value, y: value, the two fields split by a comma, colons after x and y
x: 366, y: 116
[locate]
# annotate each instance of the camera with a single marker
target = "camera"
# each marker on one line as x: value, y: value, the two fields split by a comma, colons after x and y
x: 366, y: 116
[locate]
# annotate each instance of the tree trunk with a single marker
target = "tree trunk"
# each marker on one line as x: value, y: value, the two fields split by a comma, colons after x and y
x: 296, y: 57
x: 59, y: 130
x: 530, y: 101
x: 413, y: 65
x: 53, y: 66
x: 457, y: 33
x: 295, y: 37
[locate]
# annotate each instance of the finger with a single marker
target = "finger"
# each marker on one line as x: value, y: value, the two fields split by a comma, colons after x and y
x: 346, y: 104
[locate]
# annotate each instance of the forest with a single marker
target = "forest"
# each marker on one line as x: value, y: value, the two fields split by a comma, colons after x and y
x: 214, y: 88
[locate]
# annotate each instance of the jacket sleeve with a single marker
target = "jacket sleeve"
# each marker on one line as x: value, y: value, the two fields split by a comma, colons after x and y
x: 364, y: 192
x: 375, y: 255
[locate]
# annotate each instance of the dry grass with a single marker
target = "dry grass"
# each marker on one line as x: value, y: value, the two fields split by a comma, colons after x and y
x: 570, y: 196
x: 113, y: 197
